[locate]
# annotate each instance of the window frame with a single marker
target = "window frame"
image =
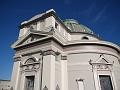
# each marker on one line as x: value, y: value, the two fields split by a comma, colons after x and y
x: 26, y: 80
x: 105, y: 73
x: 109, y: 79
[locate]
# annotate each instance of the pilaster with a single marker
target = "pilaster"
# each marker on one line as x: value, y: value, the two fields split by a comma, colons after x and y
x: 16, y: 73
x: 48, y: 74
x: 64, y: 73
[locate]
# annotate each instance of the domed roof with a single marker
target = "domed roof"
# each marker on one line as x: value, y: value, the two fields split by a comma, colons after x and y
x: 74, y: 26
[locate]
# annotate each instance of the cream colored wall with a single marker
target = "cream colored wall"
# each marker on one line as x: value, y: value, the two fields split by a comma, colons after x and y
x: 62, y: 32
x: 48, y: 72
x: 5, y: 85
x: 43, y: 47
x: 79, y: 68
x: 83, y: 73
x: 91, y: 49
x: 79, y: 36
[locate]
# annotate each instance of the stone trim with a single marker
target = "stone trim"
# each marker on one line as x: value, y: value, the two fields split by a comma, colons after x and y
x: 63, y: 57
x: 27, y: 54
x: 30, y: 67
x: 17, y: 59
x: 44, y: 53
x: 80, y: 79
x: 49, y: 52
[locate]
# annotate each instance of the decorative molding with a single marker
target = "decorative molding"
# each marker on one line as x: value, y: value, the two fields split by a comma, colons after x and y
x: 102, y: 67
x: 44, y: 53
x: 30, y: 67
x: 30, y: 53
x: 101, y: 64
x: 49, y: 52
x: 17, y: 58
x: 63, y: 57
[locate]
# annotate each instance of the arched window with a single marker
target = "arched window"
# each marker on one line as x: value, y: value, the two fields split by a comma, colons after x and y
x: 85, y: 38
x: 30, y: 61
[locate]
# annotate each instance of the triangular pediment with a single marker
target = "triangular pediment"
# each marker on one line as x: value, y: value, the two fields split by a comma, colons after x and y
x: 101, y: 60
x: 33, y: 36
x: 29, y: 38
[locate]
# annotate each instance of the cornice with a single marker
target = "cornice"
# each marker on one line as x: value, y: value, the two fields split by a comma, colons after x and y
x: 73, y: 43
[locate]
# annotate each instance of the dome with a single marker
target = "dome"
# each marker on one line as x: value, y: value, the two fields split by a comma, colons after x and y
x: 74, y: 26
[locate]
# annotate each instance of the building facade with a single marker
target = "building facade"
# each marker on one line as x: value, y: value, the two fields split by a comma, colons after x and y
x: 52, y: 54
x: 5, y: 85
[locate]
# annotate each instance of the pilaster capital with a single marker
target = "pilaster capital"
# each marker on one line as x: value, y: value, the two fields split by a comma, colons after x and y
x: 17, y: 58
x: 63, y: 57
x: 49, y: 52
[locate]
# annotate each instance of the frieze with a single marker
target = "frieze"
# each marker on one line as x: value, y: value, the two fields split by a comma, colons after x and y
x: 102, y: 67
x: 44, y: 53
x: 30, y: 67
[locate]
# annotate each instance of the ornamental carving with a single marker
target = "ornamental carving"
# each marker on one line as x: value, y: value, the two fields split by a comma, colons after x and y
x: 30, y: 67
x: 102, y: 67
x: 49, y: 52
x: 101, y: 63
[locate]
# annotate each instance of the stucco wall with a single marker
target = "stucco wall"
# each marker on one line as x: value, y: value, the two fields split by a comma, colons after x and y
x: 5, y: 84
x: 79, y: 68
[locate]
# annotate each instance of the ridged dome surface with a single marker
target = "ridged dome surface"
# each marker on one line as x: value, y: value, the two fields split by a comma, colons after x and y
x: 74, y: 26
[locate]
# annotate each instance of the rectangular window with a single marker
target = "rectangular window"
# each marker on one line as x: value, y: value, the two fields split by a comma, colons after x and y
x: 105, y: 82
x: 56, y: 25
x: 80, y: 84
x: 29, y: 83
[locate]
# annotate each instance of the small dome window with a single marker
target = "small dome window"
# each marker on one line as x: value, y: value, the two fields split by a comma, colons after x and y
x: 85, y: 38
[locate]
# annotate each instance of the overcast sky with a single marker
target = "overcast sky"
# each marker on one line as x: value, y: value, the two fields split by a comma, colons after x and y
x: 102, y: 16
